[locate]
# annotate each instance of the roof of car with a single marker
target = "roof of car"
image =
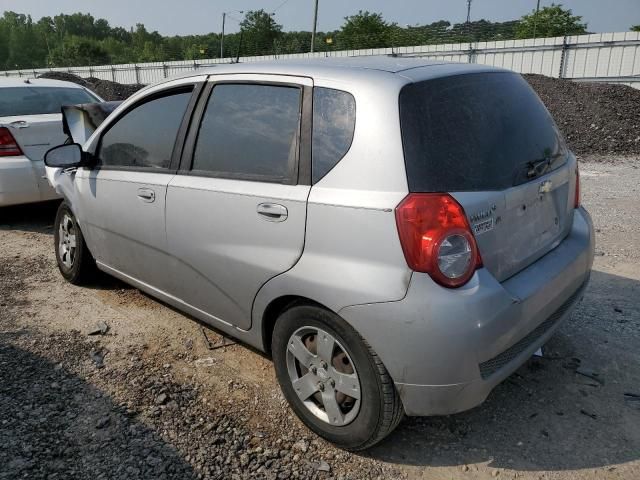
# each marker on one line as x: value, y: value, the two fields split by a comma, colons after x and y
x: 35, y: 82
x: 409, y: 69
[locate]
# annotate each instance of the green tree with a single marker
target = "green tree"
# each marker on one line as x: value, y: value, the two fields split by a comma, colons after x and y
x: 260, y: 32
x: 78, y: 51
x: 365, y: 30
x: 635, y: 28
x: 553, y: 21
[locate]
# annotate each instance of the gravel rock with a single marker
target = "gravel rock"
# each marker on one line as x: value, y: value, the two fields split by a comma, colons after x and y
x: 301, y: 446
x: 596, y: 118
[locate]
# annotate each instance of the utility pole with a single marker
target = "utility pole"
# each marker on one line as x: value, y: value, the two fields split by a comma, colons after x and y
x: 535, y: 20
x: 315, y: 26
x: 224, y: 17
x: 469, y: 31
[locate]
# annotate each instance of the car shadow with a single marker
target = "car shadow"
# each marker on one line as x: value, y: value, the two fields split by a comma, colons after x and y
x: 546, y: 416
x: 53, y: 423
x: 33, y: 217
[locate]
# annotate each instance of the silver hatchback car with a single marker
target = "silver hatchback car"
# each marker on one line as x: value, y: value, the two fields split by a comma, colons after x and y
x: 400, y: 235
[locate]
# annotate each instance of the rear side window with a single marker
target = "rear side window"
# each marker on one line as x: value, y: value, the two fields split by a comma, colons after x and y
x: 40, y: 100
x: 334, y: 121
x: 145, y: 136
x: 250, y: 132
x: 475, y: 132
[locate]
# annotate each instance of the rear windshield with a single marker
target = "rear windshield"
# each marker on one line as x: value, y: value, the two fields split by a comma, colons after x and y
x: 40, y: 100
x: 475, y: 132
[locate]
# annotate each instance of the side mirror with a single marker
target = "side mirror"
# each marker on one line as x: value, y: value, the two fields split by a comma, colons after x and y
x: 65, y: 156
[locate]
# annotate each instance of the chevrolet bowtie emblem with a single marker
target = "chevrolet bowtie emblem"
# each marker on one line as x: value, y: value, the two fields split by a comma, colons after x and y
x: 545, y: 187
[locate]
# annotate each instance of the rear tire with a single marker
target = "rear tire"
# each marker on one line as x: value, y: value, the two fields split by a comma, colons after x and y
x: 319, y: 383
x: 75, y: 262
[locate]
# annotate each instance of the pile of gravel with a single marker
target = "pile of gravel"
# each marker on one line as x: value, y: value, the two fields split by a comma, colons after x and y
x: 596, y: 118
x: 110, y: 91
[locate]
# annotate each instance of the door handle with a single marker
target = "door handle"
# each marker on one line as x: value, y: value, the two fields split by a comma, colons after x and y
x: 146, y: 195
x: 273, y: 212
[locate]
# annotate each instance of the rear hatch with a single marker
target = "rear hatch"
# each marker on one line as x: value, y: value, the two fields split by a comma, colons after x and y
x: 488, y: 140
x: 33, y: 115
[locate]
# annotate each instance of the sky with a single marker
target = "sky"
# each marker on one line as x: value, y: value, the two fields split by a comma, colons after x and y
x: 181, y: 17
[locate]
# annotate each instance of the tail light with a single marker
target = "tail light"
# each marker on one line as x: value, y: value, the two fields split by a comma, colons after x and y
x: 436, y: 238
x: 8, y: 145
x: 576, y: 201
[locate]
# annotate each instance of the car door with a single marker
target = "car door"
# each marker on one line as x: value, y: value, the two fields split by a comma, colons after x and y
x: 236, y: 211
x: 122, y: 199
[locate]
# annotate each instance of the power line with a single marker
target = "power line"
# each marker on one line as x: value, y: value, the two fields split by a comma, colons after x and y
x: 280, y: 6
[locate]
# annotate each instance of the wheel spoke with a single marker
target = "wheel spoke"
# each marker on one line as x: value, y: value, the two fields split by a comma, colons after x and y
x: 325, y: 347
x: 346, y: 383
x: 305, y: 386
x: 332, y: 408
x: 66, y: 221
x: 302, y: 354
x: 66, y: 259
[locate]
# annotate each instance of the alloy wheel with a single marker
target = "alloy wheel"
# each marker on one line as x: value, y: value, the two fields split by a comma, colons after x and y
x: 323, y: 376
x: 67, y: 241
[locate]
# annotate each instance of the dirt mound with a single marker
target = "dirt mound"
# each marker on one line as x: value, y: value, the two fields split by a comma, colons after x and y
x: 596, y: 118
x: 65, y: 77
x: 108, y: 90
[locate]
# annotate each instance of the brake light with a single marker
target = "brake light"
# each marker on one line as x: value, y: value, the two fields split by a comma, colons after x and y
x: 576, y: 201
x: 8, y: 145
x: 436, y: 238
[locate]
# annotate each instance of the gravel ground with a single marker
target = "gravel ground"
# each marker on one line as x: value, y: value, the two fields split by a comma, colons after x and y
x: 148, y: 399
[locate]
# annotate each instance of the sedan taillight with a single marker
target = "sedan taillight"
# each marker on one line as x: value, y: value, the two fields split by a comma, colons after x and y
x: 8, y: 145
x: 436, y: 238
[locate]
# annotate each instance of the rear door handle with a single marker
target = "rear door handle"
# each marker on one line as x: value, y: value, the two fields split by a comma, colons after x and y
x: 146, y: 195
x: 273, y: 212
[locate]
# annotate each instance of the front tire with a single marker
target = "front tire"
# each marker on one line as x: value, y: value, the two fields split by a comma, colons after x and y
x: 75, y: 262
x: 332, y: 379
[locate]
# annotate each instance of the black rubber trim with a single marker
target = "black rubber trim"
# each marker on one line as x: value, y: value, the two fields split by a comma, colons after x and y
x: 306, y: 126
x: 493, y: 365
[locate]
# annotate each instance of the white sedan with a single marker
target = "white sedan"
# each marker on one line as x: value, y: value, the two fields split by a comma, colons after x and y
x: 31, y: 124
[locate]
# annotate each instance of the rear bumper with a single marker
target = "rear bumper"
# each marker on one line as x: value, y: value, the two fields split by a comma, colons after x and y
x: 447, y: 349
x: 19, y: 182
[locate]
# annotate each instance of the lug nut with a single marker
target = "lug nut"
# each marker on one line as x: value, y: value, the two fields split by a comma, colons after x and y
x: 321, y: 387
x: 324, y: 365
x: 314, y: 370
x: 332, y: 382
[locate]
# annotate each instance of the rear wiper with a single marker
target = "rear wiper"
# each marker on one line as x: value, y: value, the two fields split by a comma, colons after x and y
x: 536, y: 168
